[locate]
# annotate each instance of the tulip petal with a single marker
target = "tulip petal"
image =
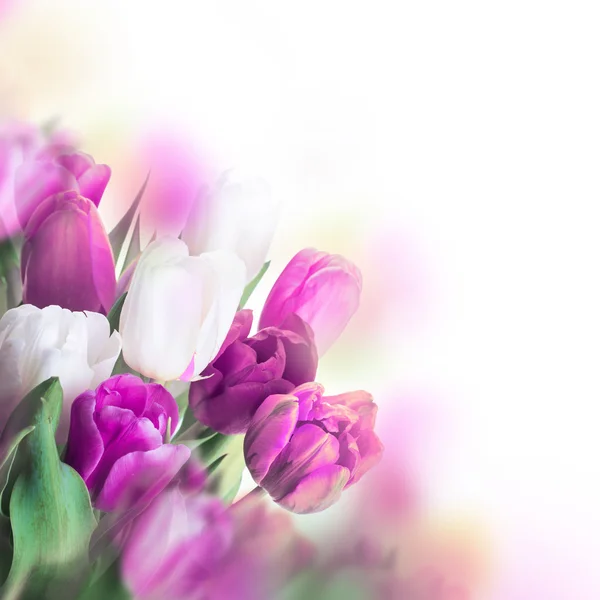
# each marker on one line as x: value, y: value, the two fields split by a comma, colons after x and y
x: 371, y: 449
x: 85, y: 447
x: 137, y: 478
x: 36, y: 181
x: 269, y: 433
x: 317, y: 491
x: 308, y: 449
x: 231, y: 411
x: 93, y: 182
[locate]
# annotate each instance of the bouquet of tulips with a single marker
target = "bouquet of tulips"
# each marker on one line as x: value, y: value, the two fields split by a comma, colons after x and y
x: 136, y: 389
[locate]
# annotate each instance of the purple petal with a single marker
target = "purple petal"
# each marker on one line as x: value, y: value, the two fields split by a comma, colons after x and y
x: 36, y: 181
x: 137, y: 478
x: 269, y: 433
x: 317, y: 491
x: 231, y: 411
x: 85, y: 446
x: 75, y: 162
x: 309, y: 449
x: 159, y: 396
x: 125, y: 390
x: 239, y: 330
x: 371, y: 449
x: 129, y: 435
x: 93, y: 183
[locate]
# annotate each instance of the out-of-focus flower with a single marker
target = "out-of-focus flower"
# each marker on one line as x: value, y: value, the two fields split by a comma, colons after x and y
x: 239, y: 216
x: 304, y: 449
x: 18, y: 142
x: 177, y: 185
x: 189, y: 546
x: 116, y: 442
x: 324, y: 289
x: 57, y: 168
x: 248, y: 370
x: 179, y: 309
x: 67, y: 259
x: 36, y: 344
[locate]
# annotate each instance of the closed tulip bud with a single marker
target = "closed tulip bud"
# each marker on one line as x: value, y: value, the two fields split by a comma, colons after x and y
x: 116, y: 442
x: 239, y: 216
x: 304, y: 449
x: 249, y: 369
x: 55, y: 169
x: 179, y: 309
x: 36, y: 344
x: 67, y: 259
x: 323, y: 289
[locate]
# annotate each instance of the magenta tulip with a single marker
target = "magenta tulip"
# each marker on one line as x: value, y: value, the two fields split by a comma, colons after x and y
x: 304, y: 449
x: 116, y: 442
x: 67, y: 259
x: 55, y: 169
x: 249, y: 369
x: 323, y: 289
x: 187, y: 545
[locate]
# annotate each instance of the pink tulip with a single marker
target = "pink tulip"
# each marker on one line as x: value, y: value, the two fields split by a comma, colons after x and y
x: 323, y: 289
x: 67, y: 259
x: 304, y: 449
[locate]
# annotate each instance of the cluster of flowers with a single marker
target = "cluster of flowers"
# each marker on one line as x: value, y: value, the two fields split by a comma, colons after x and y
x: 124, y: 391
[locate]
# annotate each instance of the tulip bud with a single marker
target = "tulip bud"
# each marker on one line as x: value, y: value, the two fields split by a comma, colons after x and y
x: 240, y: 216
x: 55, y: 169
x: 304, y: 449
x: 36, y: 344
x: 249, y: 369
x: 67, y: 259
x: 116, y: 442
x: 179, y: 309
x: 323, y: 289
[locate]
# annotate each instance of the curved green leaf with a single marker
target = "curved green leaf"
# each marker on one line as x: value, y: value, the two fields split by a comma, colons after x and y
x: 50, y: 511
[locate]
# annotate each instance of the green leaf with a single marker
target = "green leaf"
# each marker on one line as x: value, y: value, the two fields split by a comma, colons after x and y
x: 11, y: 290
x: 50, y: 510
x: 226, y: 477
x: 108, y: 585
x: 252, y: 285
x: 135, y: 246
x: 114, y: 315
x: 118, y: 235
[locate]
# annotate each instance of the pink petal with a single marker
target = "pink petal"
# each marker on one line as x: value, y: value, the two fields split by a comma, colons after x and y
x: 93, y: 183
x: 309, y: 449
x: 137, y: 478
x: 270, y: 431
x: 317, y: 491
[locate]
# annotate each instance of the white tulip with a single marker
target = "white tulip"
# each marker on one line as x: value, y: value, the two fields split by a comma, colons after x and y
x: 241, y: 216
x: 38, y: 343
x: 179, y: 309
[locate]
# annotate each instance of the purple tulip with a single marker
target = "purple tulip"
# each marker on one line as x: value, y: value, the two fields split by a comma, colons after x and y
x: 116, y: 442
x: 55, y: 169
x: 304, y: 449
x: 324, y: 289
x: 189, y: 546
x: 249, y: 369
x: 67, y: 259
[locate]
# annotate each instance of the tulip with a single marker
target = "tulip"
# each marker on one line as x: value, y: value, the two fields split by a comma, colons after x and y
x: 179, y: 309
x: 55, y: 169
x: 18, y: 142
x: 304, y: 449
x: 36, y: 344
x: 67, y: 259
x: 324, y: 289
x: 240, y: 216
x: 188, y: 546
x: 116, y: 442
x: 249, y: 369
